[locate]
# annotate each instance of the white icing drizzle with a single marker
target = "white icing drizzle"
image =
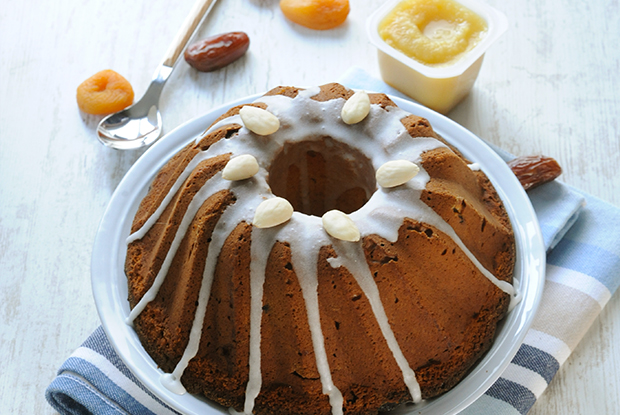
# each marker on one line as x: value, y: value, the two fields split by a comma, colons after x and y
x: 306, y: 241
x: 351, y: 256
x: 191, y: 166
x: 211, y: 187
x: 474, y: 167
x: 382, y: 215
x: 380, y: 138
x: 227, y: 223
x: 517, y: 296
x: 261, y: 245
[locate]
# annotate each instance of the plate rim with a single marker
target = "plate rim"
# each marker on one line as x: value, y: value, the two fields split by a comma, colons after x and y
x: 120, y: 335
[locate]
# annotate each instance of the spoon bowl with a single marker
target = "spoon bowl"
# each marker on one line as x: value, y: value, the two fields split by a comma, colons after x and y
x: 141, y: 124
x: 131, y: 128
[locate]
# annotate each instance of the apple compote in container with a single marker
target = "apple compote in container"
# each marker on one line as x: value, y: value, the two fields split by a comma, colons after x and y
x: 432, y: 50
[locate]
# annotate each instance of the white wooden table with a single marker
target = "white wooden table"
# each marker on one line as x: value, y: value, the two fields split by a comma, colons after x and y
x: 550, y: 86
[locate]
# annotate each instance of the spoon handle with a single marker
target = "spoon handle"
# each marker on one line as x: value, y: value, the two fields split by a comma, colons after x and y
x: 201, y: 7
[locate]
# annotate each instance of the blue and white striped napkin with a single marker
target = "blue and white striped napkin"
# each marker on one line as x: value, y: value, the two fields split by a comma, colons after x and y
x: 94, y: 380
x: 582, y: 235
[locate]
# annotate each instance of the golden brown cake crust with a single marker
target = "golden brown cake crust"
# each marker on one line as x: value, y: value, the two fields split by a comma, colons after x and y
x: 442, y: 310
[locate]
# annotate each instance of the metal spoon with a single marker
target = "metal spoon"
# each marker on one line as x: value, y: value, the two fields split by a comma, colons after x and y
x: 141, y: 124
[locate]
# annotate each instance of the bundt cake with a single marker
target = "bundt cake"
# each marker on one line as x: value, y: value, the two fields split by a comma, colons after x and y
x: 318, y: 251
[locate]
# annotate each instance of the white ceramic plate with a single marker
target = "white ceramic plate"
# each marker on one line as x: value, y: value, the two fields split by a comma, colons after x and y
x: 110, y: 285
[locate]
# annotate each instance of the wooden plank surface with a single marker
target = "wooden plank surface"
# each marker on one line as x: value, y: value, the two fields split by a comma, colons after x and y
x: 550, y: 85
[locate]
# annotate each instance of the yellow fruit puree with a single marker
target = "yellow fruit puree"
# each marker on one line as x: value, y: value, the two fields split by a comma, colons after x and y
x: 433, y: 32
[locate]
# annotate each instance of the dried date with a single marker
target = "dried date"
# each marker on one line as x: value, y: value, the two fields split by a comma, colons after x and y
x: 217, y: 51
x: 532, y: 171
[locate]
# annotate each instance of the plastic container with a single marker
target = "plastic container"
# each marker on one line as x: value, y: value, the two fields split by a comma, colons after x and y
x: 442, y: 87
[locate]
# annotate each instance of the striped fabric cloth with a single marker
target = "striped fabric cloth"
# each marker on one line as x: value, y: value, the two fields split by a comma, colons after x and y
x: 94, y: 380
x: 582, y: 263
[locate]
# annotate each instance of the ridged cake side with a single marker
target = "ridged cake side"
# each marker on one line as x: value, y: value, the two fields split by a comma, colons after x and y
x: 442, y: 310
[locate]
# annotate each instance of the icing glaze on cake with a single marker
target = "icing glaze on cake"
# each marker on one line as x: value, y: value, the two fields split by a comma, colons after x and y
x: 380, y: 137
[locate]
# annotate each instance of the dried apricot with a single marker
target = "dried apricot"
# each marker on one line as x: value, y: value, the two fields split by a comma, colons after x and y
x: 316, y: 14
x: 104, y: 93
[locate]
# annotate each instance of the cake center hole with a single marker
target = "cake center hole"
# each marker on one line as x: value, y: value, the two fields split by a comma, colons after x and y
x: 316, y: 176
